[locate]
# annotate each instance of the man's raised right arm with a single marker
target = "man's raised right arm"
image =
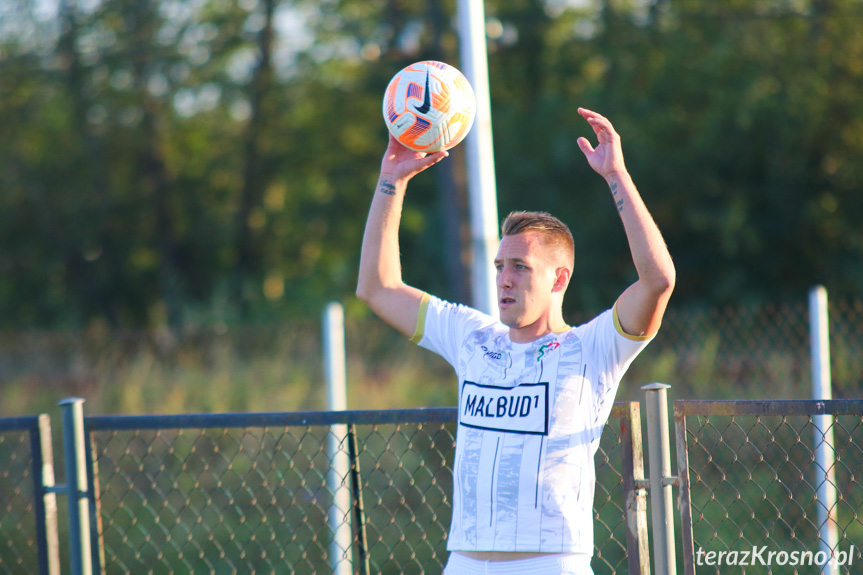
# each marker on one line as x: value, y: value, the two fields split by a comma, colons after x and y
x: 380, y: 283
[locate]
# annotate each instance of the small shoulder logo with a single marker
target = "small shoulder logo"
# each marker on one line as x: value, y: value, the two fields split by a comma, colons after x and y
x: 546, y: 347
x: 494, y: 355
x: 426, y: 105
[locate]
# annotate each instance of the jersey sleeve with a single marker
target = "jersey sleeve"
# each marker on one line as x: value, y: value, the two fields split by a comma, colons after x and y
x: 442, y: 326
x: 613, y: 350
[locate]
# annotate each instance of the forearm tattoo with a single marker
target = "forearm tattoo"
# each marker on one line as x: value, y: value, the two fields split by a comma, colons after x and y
x: 614, y: 193
x: 387, y: 188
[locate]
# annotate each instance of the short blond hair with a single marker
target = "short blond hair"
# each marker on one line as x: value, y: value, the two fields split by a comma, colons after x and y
x: 556, y: 234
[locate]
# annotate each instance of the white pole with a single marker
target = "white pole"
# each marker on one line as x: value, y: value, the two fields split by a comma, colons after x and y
x: 482, y: 187
x: 337, y: 446
x: 825, y: 474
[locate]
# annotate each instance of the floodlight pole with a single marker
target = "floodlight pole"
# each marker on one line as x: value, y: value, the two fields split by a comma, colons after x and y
x: 482, y: 188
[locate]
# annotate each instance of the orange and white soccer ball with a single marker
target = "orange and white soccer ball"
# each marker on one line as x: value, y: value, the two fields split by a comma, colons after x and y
x: 429, y: 106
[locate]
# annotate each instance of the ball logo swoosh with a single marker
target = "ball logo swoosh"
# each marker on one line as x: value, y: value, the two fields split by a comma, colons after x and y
x: 426, y: 105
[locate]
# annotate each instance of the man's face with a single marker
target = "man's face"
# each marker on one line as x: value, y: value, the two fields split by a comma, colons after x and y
x: 525, y: 279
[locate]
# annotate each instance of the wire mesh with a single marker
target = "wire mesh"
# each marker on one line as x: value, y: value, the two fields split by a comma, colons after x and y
x: 213, y: 500
x: 754, y: 482
x: 609, y: 518
x: 18, y: 544
x: 256, y: 500
x: 740, y: 351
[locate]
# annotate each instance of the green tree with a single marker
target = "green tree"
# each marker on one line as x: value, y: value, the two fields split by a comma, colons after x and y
x: 174, y: 163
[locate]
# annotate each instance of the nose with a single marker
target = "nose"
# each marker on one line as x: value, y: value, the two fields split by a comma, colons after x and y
x: 503, y: 278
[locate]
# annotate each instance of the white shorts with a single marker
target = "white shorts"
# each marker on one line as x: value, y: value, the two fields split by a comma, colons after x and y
x: 555, y: 564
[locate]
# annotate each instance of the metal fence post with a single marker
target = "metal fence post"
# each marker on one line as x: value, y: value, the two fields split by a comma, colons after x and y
x: 661, y: 481
x: 45, y: 500
x: 637, y: 545
x: 76, y: 486
x: 359, y: 511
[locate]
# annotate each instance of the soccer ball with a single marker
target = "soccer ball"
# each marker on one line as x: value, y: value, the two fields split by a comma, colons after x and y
x: 429, y: 106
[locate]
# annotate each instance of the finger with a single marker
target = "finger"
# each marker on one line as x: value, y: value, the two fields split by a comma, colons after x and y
x: 587, y: 114
x: 437, y: 156
x: 602, y: 122
x: 585, y: 146
x: 393, y: 142
x: 393, y: 148
x: 603, y: 129
x: 431, y: 159
x: 591, y: 118
x: 594, y: 123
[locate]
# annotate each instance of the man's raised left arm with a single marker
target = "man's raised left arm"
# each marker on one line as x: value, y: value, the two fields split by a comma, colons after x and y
x: 641, y: 306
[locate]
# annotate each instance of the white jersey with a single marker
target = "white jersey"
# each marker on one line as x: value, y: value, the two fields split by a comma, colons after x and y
x: 530, y: 419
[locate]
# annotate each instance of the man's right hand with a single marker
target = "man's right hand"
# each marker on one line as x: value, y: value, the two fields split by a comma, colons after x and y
x: 400, y: 163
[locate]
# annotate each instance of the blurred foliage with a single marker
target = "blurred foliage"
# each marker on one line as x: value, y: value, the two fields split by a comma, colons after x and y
x: 167, y: 162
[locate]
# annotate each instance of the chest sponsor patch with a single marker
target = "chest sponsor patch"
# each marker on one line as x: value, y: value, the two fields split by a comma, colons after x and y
x: 519, y: 409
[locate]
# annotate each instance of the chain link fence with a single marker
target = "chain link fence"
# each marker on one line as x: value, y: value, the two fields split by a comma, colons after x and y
x: 17, y: 514
x: 28, y: 536
x: 234, y: 497
x: 255, y: 500
x: 234, y: 493
x: 753, y: 484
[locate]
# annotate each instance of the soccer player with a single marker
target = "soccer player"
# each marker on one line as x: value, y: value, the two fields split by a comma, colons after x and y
x: 534, y: 392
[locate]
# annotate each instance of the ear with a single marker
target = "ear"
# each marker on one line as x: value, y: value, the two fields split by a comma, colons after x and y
x: 561, y: 279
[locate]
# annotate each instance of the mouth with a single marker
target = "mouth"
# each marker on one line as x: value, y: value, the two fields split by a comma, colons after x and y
x: 506, y: 301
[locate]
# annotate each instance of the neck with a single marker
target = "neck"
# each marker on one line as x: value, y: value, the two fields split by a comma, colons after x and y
x: 536, y: 330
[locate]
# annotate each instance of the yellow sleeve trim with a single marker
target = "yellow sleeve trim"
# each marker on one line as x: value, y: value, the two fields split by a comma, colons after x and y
x: 421, y: 318
x: 628, y: 335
